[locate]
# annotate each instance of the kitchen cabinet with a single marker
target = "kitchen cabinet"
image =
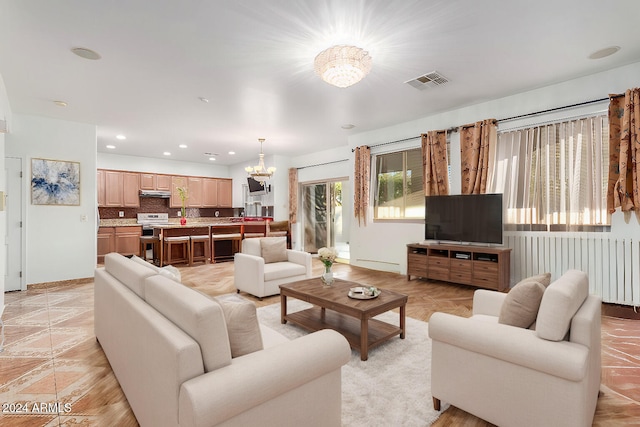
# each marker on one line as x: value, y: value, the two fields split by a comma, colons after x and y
x: 127, y: 240
x: 194, y: 185
x: 147, y: 181
x: 121, y: 189
x: 130, y: 189
x: 225, y: 193
x: 177, y: 181
x: 152, y: 181
x: 209, y: 192
x: 106, y: 242
x: 114, y: 182
x: 123, y: 240
x: 101, y: 187
x: 163, y: 182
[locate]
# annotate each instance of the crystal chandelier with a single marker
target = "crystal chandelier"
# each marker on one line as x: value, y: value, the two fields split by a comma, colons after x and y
x: 342, y: 66
x: 260, y: 172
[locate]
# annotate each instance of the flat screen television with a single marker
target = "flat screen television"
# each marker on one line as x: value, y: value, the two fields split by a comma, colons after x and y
x: 464, y: 218
x: 255, y: 187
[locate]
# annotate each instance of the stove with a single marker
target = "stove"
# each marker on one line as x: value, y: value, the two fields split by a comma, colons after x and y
x: 148, y: 220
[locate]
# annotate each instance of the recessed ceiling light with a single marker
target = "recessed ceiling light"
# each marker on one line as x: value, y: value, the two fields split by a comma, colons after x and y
x: 603, y: 53
x: 85, y: 53
x: 121, y: 137
x: 232, y: 152
x: 111, y: 147
x: 166, y: 153
x: 60, y: 103
x: 348, y: 126
x: 182, y: 145
x: 212, y: 158
x: 203, y: 99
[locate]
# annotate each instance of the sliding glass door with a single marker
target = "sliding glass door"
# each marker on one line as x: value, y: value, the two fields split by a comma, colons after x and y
x: 325, y: 222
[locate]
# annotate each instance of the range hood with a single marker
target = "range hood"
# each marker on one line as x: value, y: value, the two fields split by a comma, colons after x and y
x: 155, y: 193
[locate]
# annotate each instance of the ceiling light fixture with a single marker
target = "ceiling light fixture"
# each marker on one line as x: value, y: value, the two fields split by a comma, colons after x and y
x: 111, y: 147
x: 182, y: 146
x: 260, y: 172
x: 342, y: 65
x: 121, y: 137
x: 166, y: 153
x: 60, y: 103
x: 231, y: 153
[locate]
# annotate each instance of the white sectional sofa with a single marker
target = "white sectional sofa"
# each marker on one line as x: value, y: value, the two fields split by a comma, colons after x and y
x: 545, y: 375
x: 169, y: 347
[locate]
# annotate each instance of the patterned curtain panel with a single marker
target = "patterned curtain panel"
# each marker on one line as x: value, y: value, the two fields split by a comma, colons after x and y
x: 475, y: 144
x: 361, y: 175
x: 624, y: 152
x: 435, y: 164
x: 293, y: 195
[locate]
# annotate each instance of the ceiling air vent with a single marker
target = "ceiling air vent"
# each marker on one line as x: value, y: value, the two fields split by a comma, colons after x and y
x: 428, y: 80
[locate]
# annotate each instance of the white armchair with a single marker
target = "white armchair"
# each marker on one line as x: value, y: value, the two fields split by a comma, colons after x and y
x: 514, y: 376
x: 265, y: 263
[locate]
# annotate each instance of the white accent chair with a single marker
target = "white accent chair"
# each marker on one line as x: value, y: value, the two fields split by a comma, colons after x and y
x: 259, y: 278
x: 512, y: 376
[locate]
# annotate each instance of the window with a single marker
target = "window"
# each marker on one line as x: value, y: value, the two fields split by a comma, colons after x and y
x: 555, y: 174
x: 398, y: 186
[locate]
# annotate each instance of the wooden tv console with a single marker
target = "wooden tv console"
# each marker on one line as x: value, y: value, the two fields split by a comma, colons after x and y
x: 484, y: 267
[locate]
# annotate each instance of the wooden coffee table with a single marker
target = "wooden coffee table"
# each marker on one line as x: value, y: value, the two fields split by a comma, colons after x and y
x: 351, y: 317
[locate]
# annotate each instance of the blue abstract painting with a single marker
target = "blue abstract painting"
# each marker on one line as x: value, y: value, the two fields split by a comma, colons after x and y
x: 55, y: 182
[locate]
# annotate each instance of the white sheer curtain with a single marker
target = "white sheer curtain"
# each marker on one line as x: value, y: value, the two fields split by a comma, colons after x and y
x: 555, y: 173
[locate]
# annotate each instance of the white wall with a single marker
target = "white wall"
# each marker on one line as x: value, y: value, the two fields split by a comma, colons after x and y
x: 170, y: 167
x: 5, y: 114
x: 59, y: 244
x: 382, y: 245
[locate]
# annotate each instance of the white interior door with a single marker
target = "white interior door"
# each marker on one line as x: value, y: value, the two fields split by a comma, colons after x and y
x: 13, y: 279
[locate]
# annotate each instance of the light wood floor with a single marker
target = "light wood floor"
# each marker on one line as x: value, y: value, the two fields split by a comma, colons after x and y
x: 78, y: 361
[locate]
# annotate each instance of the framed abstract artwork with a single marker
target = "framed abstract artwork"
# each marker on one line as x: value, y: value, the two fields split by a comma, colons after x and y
x: 55, y: 182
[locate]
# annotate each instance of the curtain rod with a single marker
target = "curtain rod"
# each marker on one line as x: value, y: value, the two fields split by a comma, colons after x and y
x: 457, y: 128
x: 322, y: 164
x: 579, y: 104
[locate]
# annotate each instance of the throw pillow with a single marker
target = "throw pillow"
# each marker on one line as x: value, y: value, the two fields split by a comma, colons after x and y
x: 273, y: 249
x: 544, y: 279
x: 242, y: 324
x: 561, y: 301
x: 520, y: 306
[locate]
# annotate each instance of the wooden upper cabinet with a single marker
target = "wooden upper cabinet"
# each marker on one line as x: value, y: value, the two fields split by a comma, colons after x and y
x: 195, y: 192
x: 225, y: 193
x: 209, y: 192
x: 101, y: 188
x: 131, y: 189
x: 163, y: 182
x: 147, y: 181
x: 113, y: 188
x: 177, y: 181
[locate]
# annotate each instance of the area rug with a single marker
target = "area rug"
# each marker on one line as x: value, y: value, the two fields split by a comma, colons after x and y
x: 392, y: 388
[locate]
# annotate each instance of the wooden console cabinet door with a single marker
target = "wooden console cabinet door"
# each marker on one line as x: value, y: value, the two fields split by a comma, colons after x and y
x: 225, y: 193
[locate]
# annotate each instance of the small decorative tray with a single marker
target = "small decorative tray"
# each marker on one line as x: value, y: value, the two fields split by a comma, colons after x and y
x: 362, y: 292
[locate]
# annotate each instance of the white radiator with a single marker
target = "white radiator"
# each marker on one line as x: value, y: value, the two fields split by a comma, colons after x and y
x: 613, y: 264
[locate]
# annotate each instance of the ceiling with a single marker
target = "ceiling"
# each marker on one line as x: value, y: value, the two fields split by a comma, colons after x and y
x: 253, y: 61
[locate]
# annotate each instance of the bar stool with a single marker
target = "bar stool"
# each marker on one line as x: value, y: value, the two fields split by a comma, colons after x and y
x: 254, y: 230
x: 169, y: 242
x: 231, y: 233
x: 155, y: 248
x: 195, y: 241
